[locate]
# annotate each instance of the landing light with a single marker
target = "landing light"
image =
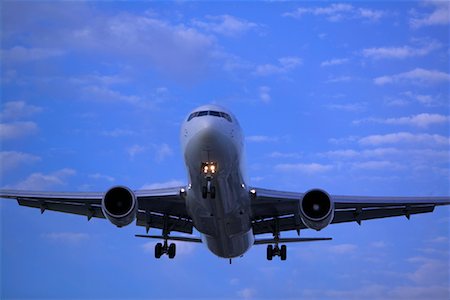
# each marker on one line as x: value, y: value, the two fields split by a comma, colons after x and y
x: 209, y: 168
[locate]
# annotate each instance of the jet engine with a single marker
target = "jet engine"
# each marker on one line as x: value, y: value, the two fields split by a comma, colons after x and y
x: 316, y: 209
x: 119, y: 205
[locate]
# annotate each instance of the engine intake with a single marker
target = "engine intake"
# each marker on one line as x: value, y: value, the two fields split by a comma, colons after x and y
x: 119, y: 205
x: 316, y: 209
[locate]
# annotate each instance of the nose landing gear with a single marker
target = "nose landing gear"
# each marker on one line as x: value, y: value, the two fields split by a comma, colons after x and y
x: 208, y: 189
x: 209, y: 169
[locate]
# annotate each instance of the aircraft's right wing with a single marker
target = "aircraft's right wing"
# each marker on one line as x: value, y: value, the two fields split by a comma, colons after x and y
x: 277, y: 209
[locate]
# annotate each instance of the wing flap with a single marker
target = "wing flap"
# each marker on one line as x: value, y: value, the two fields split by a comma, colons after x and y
x: 356, y: 215
x: 74, y: 208
x: 171, y: 223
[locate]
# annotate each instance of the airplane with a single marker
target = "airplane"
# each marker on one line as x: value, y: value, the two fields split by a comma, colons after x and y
x: 217, y: 201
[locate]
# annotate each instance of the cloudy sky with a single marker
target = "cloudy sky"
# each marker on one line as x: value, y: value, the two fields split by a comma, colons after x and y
x: 349, y: 97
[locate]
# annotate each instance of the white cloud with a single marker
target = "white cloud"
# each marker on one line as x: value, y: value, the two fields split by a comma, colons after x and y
x: 379, y: 244
x: 103, y: 80
x: 175, y: 49
x: 416, y: 76
x: 260, y: 139
x: 226, y: 25
x: 400, y: 52
x: 405, y: 137
x: 17, y: 129
x: 102, y: 93
x: 339, y: 79
x: 247, y: 293
x: 11, y: 159
x: 343, y: 249
x: 337, y: 12
x: 440, y: 239
x: 285, y: 65
x: 14, y: 110
x: 19, y: 54
x: 427, y: 100
x: 383, y: 153
x: 118, y: 133
x: 277, y: 154
x: 439, y: 16
x: 428, y: 270
x: 421, y: 120
x: 67, y: 237
x: 134, y: 150
x: 162, y: 152
x: 334, y: 62
x: 349, y: 107
x: 375, y: 165
x: 264, y: 94
x: 312, y: 168
x: 161, y: 185
x: 40, y: 181
x: 99, y: 176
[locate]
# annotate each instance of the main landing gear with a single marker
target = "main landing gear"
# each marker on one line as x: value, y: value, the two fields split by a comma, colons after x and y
x: 276, y: 251
x: 165, y: 248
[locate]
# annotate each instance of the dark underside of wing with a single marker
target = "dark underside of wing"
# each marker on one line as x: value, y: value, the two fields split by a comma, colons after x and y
x: 280, y: 211
x: 159, y: 208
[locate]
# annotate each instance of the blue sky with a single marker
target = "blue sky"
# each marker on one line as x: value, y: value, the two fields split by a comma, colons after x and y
x: 349, y: 97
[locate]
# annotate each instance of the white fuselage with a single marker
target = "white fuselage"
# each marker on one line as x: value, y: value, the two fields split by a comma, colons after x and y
x: 222, y: 216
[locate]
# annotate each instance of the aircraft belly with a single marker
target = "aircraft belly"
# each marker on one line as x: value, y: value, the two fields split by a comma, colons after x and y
x: 223, y: 217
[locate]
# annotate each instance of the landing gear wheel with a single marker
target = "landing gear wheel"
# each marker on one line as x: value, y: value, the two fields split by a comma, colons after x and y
x: 204, y: 192
x: 283, y: 252
x: 213, y: 192
x: 172, y: 251
x: 269, y: 252
x: 158, y: 250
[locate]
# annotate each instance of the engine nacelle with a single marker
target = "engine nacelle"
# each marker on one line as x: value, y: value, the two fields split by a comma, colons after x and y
x: 316, y: 209
x: 119, y: 205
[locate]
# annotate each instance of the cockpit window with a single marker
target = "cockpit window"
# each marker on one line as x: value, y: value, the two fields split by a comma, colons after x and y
x: 193, y: 115
x: 214, y: 113
x: 226, y: 116
x: 210, y: 113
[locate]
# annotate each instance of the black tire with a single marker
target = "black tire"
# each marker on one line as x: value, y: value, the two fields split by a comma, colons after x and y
x: 158, y: 250
x: 283, y: 252
x: 213, y: 192
x: 269, y: 252
x: 204, y: 192
x: 172, y: 250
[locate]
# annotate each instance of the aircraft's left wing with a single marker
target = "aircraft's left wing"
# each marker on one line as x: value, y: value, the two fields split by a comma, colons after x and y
x: 156, y: 208
x: 276, y: 209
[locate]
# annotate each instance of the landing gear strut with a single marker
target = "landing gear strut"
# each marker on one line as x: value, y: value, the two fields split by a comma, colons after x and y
x: 208, y: 189
x: 165, y: 248
x: 275, y: 250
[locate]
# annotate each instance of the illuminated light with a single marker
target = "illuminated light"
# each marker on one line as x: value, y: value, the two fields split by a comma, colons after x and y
x: 183, y: 190
x: 253, y: 191
x: 213, y: 168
